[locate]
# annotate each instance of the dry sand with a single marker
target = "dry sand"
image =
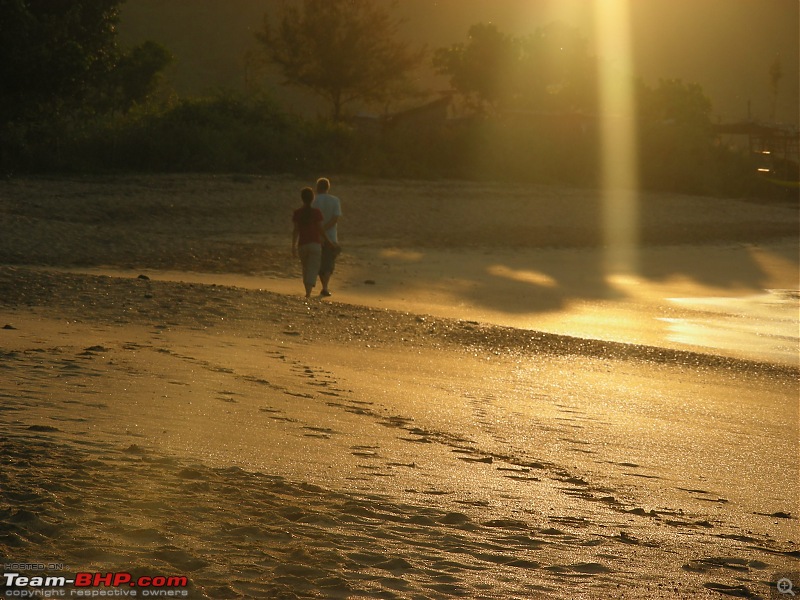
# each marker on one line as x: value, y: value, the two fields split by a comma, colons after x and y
x: 266, y: 447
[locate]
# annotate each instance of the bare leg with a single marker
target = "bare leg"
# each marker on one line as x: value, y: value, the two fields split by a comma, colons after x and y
x: 325, y: 279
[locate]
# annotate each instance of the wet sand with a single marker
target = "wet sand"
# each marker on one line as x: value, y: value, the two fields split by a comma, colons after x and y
x: 748, y: 319
x: 264, y: 447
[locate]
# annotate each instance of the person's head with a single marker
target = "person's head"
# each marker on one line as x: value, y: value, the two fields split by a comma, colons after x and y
x: 307, y: 196
x: 323, y: 185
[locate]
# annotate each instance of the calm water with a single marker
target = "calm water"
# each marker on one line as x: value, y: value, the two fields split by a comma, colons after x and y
x: 762, y: 326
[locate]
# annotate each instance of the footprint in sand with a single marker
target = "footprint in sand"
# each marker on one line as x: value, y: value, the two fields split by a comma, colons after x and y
x: 258, y: 380
x: 483, y: 459
x: 517, y: 473
x: 505, y: 524
x: 398, y: 422
x: 739, y: 591
x: 365, y: 451
x: 399, y: 464
x: 43, y: 428
x: 624, y: 464
x: 580, y: 569
x: 419, y: 440
x: 704, y: 565
x: 285, y: 419
x: 319, y: 432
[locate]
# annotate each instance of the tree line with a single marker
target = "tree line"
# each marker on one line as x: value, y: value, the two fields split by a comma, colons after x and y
x: 73, y: 100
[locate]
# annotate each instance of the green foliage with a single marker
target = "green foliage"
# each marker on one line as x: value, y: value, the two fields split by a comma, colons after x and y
x: 674, y: 101
x: 136, y: 76
x: 548, y: 70
x: 223, y: 133
x: 231, y: 133
x: 342, y: 50
x: 676, y: 145
x: 539, y: 120
x: 540, y: 93
x: 482, y: 69
x: 53, y: 53
x: 61, y: 70
x: 557, y: 71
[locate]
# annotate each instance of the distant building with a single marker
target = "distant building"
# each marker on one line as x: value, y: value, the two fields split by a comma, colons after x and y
x: 430, y: 115
x: 775, y: 149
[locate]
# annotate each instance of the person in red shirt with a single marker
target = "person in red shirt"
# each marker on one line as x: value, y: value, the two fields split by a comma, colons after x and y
x: 307, y: 238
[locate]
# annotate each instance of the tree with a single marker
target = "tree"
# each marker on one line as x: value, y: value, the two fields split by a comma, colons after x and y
x: 557, y: 70
x: 342, y: 50
x: 676, y: 142
x: 674, y: 101
x: 52, y: 52
x: 62, y: 55
x: 136, y: 75
x: 550, y: 69
x: 775, y: 76
x: 480, y: 70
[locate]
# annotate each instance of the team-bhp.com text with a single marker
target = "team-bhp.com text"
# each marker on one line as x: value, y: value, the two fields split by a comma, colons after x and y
x: 94, y: 585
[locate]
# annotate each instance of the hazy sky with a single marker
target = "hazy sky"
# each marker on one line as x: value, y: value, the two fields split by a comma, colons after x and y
x: 726, y: 46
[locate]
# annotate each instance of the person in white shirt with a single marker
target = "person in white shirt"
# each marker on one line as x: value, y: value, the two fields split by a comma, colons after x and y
x: 331, y: 208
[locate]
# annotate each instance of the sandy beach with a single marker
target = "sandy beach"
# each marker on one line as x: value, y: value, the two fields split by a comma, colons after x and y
x: 482, y: 410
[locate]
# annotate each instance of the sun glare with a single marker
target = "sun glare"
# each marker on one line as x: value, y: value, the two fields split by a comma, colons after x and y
x: 524, y: 276
x: 618, y: 127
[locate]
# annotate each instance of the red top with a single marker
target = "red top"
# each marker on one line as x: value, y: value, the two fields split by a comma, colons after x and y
x: 310, y: 231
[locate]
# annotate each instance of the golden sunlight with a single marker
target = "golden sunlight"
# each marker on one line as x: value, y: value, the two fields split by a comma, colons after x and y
x: 524, y: 276
x: 618, y: 128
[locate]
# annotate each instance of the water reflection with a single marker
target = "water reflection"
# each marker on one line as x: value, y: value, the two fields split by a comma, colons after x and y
x: 759, y: 326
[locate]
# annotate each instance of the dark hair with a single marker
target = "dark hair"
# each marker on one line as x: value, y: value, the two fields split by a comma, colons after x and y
x: 307, y: 195
x: 323, y: 185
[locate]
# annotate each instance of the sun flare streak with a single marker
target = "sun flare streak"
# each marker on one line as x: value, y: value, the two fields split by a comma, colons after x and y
x: 618, y: 129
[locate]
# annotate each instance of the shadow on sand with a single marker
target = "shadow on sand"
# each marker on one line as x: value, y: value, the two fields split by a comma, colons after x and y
x: 531, y: 280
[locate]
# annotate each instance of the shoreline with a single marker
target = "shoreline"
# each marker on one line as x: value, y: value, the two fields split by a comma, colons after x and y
x: 198, y: 430
x: 431, y: 329
x: 405, y: 438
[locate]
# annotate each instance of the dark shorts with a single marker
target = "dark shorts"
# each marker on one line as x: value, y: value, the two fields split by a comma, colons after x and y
x: 329, y: 254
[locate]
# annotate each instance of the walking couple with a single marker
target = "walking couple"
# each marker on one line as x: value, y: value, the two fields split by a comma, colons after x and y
x: 314, y: 237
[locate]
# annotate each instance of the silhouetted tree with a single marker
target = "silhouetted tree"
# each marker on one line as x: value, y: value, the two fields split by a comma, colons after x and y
x: 775, y: 76
x: 53, y: 51
x: 342, y: 50
x: 550, y: 69
x: 676, y: 141
x: 674, y: 101
x: 557, y: 70
x: 136, y: 76
x: 482, y: 69
x: 59, y: 55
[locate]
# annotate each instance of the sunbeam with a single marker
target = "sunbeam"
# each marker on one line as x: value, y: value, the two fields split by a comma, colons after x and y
x: 618, y: 128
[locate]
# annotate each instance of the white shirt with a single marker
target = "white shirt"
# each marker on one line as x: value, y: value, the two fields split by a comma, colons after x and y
x: 330, y: 206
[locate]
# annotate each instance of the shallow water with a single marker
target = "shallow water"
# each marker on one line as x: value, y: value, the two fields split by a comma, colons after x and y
x: 762, y: 326
x: 695, y: 298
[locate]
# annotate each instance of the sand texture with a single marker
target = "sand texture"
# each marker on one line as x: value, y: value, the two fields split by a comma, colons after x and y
x: 165, y: 411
